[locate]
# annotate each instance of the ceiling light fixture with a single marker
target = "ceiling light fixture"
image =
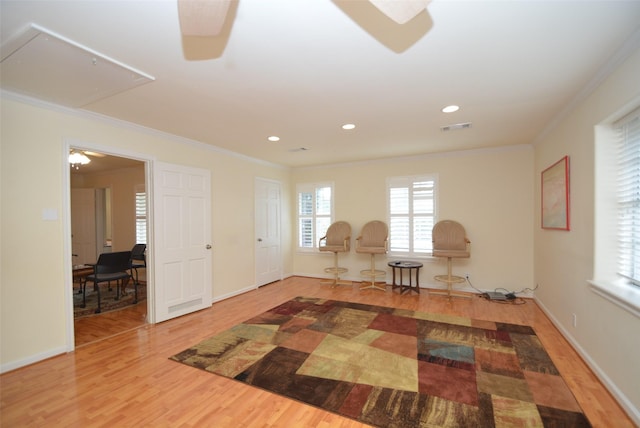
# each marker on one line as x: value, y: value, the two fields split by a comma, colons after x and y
x: 450, y: 109
x: 274, y: 138
x: 348, y: 126
x: 76, y: 159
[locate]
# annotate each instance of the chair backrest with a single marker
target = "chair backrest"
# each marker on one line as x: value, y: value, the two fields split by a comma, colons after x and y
x: 449, y: 235
x: 137, y: 252
x: 337, y: 233
x: 374, y: 234
x: 113, y: 262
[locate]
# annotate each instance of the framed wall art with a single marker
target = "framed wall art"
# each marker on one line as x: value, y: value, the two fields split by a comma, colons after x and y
x: 555, y: 195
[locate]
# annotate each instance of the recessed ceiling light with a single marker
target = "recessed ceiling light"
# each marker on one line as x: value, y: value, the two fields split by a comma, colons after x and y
x: 348, y: 126
x: 274, y: 138
x: 450, y: 109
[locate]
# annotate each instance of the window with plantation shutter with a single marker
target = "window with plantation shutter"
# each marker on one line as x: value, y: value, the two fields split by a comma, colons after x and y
x: 412, y: 214
x: 628, y: 196
x: 141, y: 215
x: 315, y: 213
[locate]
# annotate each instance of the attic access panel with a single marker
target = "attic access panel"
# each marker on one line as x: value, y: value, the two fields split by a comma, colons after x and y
x: 47, y: 66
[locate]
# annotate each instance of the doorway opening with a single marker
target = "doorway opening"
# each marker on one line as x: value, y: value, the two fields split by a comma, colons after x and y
x: 109, y: 211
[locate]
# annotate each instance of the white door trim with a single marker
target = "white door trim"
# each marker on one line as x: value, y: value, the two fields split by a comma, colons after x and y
x: 67, y: 259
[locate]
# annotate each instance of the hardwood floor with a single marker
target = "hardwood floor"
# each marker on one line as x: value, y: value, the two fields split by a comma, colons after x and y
x: 97, y: 327
x: 128, y: 380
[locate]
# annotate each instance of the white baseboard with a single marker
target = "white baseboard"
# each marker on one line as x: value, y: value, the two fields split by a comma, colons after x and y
x: 241, y: 291
x: 627, y: 405
x: 233, y: 294
x: 387, y: 279
x: 32, y: 359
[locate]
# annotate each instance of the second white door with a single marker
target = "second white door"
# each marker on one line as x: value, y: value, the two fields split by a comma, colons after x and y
x: 267, y: 228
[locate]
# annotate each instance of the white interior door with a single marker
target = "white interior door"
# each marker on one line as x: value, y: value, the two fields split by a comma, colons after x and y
x: 182, y: 240
x: 83, y: 226
x: 267, y: 227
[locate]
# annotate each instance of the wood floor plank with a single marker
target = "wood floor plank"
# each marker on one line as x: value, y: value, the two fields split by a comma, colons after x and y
x: 126, y: 379
x: 97, y: 327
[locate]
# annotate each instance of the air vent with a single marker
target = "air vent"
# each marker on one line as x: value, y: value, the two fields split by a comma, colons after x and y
x: 456, y: 126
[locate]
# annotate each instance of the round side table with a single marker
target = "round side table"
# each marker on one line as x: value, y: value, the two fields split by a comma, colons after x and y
x: 401, y: 266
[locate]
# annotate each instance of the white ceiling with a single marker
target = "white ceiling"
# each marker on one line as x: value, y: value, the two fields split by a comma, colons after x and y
x: 300, y: 69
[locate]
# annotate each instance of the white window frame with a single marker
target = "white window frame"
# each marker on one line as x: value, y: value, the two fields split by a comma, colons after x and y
x: 141, y: 214
x: 319, y: 222
x: 394, y: 217
x: 628, y: 197
x: 607, y: 282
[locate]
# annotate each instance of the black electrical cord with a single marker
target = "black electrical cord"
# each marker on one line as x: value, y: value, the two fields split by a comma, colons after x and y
x: 479, y: 291
x: 512, y: 299
x: 518, y: 292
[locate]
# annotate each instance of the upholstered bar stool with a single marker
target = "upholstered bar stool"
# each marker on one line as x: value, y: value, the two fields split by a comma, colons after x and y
x: 337, y: 240
x: 373, y: 240
x: 450, y: 241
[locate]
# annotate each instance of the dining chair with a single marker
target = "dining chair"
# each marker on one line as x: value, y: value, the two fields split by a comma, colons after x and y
x: 109, y: 267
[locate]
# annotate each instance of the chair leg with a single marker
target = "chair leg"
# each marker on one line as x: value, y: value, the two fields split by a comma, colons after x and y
x: 135, y: 287
x: 97, y: 284
x: 134, y: 270
x: 372, y: 274
x: 336, y: 271
x: 449, y: 279
x: 83, y: 286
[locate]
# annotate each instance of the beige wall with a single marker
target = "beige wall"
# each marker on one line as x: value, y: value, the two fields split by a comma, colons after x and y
x: 606, y: 334
x: 33, y: 309
x: 488, y: 191
x: 123, y: 184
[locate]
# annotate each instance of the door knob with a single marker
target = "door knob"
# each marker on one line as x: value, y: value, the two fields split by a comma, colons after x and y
x: 259, y: 239
x: 208, y: 246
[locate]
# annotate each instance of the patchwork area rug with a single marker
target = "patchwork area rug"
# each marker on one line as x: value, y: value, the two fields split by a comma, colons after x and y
x: 394, y: 368
x: 107, y: 301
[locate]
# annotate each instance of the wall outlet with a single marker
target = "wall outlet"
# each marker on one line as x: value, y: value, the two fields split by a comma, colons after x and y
x: 467, y: 276
x: 574, y: 319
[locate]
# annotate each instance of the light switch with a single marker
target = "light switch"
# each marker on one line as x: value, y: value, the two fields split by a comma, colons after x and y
x: 50, y: 214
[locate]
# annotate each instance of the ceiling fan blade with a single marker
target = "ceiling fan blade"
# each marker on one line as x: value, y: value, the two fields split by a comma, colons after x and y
x: 203, y: 18
x: 401, y: 11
